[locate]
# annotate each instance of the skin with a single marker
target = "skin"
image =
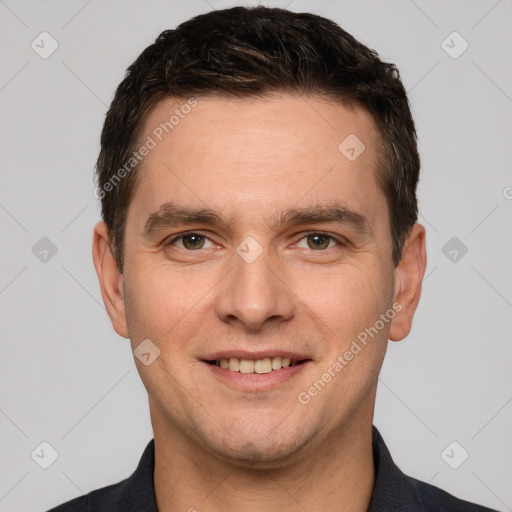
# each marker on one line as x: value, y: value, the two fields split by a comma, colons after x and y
x: 218, y: 447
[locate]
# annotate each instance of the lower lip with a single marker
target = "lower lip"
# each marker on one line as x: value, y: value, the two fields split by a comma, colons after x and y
x: 256, y: 381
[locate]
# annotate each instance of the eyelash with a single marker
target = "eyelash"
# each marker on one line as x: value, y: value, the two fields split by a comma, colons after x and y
x: 340, y: 242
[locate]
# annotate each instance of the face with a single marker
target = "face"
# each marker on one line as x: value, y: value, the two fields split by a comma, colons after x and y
x: 253, y: 242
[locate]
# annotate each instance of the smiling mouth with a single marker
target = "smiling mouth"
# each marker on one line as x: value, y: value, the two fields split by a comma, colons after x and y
x: 265, y: 365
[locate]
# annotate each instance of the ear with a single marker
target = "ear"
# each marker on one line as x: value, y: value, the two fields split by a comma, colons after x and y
x: 111, y: 280
x: 408, y: 279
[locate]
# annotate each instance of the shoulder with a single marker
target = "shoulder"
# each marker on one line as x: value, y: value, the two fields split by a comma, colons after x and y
x: 98, y: 500
x: 394, y: 490
x: 134, y: 494
x: 437, y: 500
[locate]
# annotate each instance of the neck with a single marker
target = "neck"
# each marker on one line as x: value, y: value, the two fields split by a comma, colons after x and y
x: 336, y: 474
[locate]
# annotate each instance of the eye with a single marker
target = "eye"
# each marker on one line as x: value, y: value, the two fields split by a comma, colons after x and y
x: 318, y: 240
x: 315, y: 240
x: 189, y: 241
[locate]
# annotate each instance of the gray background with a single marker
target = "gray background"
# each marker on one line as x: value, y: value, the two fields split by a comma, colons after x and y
x: 68, y: 379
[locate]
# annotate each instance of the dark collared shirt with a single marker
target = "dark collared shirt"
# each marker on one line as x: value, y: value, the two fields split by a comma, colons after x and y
x: 392, y: 492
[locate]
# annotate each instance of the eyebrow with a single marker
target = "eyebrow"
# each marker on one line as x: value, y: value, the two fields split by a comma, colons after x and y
x: 171, y: 215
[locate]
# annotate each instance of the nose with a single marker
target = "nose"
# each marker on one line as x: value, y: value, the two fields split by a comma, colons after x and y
x: 255, y: 293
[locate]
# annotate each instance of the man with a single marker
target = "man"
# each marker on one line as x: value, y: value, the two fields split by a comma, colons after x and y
x: 258, y: 174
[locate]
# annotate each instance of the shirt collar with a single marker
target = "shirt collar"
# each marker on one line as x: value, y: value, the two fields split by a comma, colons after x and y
x: 392, y: 489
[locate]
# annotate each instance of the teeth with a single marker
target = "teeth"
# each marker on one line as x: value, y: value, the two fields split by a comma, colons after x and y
x: 234, y: 364
x: 265, y: 365
x: 276, y: 363
x: 246, y: 366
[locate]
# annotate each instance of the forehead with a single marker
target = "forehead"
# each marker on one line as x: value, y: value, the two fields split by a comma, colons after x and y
x: 257, y: 155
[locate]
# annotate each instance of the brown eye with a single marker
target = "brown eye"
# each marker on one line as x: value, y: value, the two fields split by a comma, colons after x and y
x: 189, y: 241
x: 318, y: 241
x: 193, y: 241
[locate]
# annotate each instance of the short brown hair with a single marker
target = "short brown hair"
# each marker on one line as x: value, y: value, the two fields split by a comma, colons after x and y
x: 254, y: 51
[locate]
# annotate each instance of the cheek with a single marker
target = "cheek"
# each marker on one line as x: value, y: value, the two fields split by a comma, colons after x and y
x: 346, y: 299
x: 161, y: 303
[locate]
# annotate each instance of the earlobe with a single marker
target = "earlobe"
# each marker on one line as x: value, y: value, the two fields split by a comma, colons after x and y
x: 408, y: 279
x: 110, y: 279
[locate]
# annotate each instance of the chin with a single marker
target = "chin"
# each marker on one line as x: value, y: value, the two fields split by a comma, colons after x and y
x: 258, y: 455
x: 259, y: 448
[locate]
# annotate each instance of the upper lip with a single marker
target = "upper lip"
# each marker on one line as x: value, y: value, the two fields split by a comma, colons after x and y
x: 255, y: 356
